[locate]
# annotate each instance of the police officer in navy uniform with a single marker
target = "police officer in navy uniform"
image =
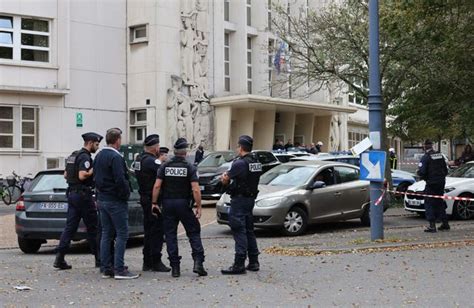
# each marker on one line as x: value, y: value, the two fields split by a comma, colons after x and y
x: 433, y: 170
x: 81, y: 205
x: 177, y: 186
x: 146, y: 166
x: 245, y: 175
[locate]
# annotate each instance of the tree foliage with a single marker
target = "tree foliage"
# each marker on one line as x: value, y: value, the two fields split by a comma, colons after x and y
x: 426, y: 62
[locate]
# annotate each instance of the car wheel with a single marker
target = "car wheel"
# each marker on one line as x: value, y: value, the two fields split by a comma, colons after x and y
x: 296, y: 222
x: 365, y: 218
x: 29, y: 245
x: 462, y: 209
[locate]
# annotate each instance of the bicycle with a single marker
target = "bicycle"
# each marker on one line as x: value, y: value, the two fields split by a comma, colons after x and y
x: 4, y: 192
x: 15, y: 187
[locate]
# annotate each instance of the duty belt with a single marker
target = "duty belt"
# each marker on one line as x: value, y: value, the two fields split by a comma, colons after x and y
x: 80, y: 189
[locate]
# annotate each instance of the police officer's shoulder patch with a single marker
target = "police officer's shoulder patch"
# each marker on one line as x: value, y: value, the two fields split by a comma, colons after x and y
x: 420, y: 164
x: 87, y: 164
x: 157, y: 161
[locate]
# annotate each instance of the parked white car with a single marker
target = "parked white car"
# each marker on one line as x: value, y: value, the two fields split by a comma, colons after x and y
x: 459, y: 183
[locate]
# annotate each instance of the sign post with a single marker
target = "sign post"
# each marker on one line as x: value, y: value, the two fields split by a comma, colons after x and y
x: 79, y: 119
x: 375, y: 118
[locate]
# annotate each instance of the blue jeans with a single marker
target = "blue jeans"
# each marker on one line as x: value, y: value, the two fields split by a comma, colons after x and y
x: 114, y: 221
x: 241, y: 224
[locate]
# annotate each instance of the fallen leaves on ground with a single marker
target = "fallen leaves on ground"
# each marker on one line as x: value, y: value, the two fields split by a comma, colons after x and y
x: 307, y: 252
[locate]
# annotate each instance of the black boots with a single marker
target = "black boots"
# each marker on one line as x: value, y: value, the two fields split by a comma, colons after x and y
x: 154, y: 266
x: 444, y: 226
x: 431, y: 228
x: 253, y: 266
x: 60, y: 263
x: 237, y: 268
x: 199, y: 268
x: 175, y: 271
x: 159, y: 266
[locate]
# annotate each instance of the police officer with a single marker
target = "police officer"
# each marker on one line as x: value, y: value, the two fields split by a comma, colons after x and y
x: 146, y: 166
x: 177, y: 184
x: 245, y: 175
x: 78, y: 175
x: 433, y: 170
x: 393, y: 158
x: 163, y: 155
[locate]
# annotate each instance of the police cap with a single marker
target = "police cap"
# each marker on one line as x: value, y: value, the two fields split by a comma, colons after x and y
x: 164, y: 150
x: 181, y: 143
x: 151, y: 140
x: 92, y: 137
x: 246, y: 140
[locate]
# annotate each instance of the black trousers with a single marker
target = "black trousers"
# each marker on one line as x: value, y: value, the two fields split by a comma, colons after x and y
x: 175, y: 211
x: 241, y: 224
x: 435, y: 209
x: 80, y: 206
x: 154, y: 233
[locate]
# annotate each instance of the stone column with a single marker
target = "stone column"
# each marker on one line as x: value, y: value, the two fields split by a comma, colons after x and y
x: 222, y: 126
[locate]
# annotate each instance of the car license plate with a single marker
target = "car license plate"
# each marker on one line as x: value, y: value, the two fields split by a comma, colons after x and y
x: 53, y: 206
x: 414, y: 202
x: 201, y: 187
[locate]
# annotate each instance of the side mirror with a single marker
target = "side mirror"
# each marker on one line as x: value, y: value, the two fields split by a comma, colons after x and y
x: 317, y: 184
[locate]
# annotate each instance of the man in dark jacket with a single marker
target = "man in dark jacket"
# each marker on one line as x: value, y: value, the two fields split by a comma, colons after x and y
x: 433, y: 170
x: 199, y: 155
x: 113, y: 191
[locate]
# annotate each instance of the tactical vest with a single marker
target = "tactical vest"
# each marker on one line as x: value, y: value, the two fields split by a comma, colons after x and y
x: 177, y: 181
x: 145, y: 177
x: 247, y: 185
x: 72, y: 169
x: 437, y: 170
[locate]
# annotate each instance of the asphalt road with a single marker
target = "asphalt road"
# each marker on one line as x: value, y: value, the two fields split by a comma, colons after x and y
x: 437, y: 277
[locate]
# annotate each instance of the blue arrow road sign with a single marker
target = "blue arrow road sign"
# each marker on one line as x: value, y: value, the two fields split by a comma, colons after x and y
x: 372, y: 166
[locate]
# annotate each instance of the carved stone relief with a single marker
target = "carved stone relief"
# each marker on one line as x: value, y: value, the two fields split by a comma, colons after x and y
x: 189, y: 112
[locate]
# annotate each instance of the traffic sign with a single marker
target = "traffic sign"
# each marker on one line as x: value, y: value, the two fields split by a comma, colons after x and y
x: 372, y: 166
x: 79, y: 119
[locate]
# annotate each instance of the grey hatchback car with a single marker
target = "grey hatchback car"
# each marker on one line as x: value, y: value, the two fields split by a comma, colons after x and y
x: 41, y: 211
x: 294, y: 195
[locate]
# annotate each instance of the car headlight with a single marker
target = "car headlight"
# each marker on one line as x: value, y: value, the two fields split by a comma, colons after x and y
x: 449, y: 189
x: 267, y: 202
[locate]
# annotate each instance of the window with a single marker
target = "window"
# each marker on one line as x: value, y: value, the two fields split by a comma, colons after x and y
x: 24, y: 38
x: 354, y: 96
x: 226, y: 62
x: 18, y: 128
x: 271, y: 48
x: 226, y: 10
x: 6, y: 127
x: 249, y: 65
x: 138, y: 123
x: 138, y: 34
x: 346, y: 174
x: 326, y: 176
x: 355, y: 138
x: 28, y: 128
x: 266, y: 157
x: 52, y: 163
x: 269, y: 15
x: 249, y: 12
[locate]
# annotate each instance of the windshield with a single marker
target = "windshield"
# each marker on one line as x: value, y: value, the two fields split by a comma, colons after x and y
x: 48, y: 181
x: 217, y: 159
x: 287, y: 175
x: 466, y: 171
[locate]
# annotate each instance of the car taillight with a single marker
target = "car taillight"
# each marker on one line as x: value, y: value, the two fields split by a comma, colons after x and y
x: 20, y: 205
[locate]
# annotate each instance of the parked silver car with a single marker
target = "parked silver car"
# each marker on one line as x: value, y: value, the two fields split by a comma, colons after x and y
x: 42, y: 210
x: 297, y: 194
